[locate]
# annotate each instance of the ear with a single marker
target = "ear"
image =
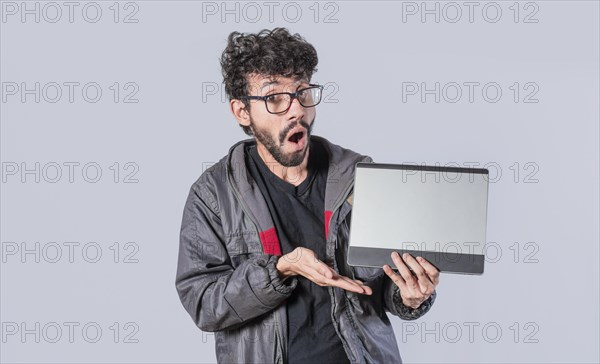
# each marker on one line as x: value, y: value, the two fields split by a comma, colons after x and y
x: 238, y: 109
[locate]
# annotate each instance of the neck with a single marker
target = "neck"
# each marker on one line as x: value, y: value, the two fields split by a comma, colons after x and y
x: 294, y: 175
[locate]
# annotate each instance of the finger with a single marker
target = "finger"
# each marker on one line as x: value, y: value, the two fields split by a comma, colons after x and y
x: 351, y: 281
x: 366, y: 289
x: 317, y: 277
x: 425, y: 284
x: 358, y: 282
x: 406, y: 274
x: 313, y: 275
x: 411, y: 262
x: 396, y: 278
x: 348, y: 285
x: 327, y: 272
x: 432, y: 272
x: 323, y: 269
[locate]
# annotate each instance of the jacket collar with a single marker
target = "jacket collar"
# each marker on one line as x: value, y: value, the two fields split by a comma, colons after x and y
x: 340, y: 179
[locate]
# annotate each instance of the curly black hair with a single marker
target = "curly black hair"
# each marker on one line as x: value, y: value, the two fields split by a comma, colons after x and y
x: 270, y: 52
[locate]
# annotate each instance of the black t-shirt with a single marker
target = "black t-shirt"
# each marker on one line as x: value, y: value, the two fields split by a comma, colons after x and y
x: 298, y: 215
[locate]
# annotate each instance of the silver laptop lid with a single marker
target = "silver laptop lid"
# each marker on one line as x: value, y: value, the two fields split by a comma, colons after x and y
x: 437, y: 212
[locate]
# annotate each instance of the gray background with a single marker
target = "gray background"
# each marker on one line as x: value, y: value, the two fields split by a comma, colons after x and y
x: 538, y: 299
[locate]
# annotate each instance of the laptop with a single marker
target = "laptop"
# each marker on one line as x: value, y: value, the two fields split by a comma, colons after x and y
x: 439, y: 213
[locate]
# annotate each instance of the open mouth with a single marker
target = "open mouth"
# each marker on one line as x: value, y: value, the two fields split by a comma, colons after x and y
x: 296, y: 137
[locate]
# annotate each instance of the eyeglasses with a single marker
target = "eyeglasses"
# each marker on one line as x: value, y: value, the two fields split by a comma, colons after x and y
x: 281, y: 102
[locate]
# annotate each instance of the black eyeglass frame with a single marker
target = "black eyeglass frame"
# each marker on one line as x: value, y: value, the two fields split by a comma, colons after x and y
x: 293, y: 95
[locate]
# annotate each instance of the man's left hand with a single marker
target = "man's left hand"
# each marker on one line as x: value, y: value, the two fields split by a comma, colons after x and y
x: 414, y: 288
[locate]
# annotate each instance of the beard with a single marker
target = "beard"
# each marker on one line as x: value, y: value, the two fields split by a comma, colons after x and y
x: 275, y: 147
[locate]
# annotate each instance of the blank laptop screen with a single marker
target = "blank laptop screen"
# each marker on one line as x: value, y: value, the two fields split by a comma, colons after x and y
x: 419, y: 209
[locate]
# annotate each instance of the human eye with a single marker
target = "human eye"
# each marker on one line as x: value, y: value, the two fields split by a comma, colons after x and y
x: 304, y: 93
x: 274, y: 98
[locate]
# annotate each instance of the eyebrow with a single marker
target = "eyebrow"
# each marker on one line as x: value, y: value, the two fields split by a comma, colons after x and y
x: 269, y: 83
x: 276, y: 82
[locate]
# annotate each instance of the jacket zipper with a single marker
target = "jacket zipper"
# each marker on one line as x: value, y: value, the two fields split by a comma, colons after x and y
x: 255, y: 222
x: 337, y: 205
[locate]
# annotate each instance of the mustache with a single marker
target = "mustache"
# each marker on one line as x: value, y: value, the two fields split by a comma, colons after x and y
x: 285, y: 132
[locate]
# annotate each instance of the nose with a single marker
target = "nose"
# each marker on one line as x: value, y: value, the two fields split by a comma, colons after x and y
x: 296, y: 111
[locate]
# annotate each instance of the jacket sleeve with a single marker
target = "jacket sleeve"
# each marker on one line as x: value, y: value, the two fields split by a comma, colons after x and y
x: 393, y: 302
x: 216, y: 295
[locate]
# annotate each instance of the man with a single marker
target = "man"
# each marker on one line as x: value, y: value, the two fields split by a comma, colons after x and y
x: 262, y: 257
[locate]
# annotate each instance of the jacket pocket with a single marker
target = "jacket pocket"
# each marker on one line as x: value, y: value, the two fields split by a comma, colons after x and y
x: 242, y: 245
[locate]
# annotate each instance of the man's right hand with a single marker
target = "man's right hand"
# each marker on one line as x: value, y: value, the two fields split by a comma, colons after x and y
x: 304, y: 262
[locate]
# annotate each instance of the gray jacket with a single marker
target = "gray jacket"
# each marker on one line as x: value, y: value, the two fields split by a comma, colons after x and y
x: 227, y: 280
